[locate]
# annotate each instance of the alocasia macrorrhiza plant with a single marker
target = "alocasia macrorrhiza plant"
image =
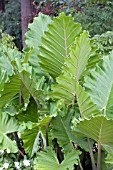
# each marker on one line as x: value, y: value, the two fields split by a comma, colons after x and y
x: 58, y: 94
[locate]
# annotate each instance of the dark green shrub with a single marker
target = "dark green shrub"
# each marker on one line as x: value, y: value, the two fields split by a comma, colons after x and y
x: 11, y: 20
x: 95, y: 16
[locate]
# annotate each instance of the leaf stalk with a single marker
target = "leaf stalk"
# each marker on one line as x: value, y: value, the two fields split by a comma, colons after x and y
x: 91, y: 155
x: 99, y: 157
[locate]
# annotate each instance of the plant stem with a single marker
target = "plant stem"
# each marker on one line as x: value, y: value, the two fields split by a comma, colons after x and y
x: 80, y: 165
x: 21, y: 153
x: 41, y: 142
x: 91, y: 155
x: 47, y: 140
x: 99, y: 157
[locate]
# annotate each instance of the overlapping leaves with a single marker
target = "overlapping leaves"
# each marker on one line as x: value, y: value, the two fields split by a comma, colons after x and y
x: 31, y: 136
x: 22, y: 85
x: 61, y: 130
x: 68, y: 88
x: 73, y: 69
x: 67, y: 58
x: 56, y: 43
x: 98, y: 128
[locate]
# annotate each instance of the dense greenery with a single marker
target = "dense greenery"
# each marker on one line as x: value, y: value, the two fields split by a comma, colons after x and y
x: 10, y: 21
x: 94, y: 15
x: 57, y: 94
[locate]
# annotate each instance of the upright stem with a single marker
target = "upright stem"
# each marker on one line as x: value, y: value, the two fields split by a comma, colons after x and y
x: 99, y: 157
x: 80, y: 165
x: 47, y: 140
x: 91, y: 155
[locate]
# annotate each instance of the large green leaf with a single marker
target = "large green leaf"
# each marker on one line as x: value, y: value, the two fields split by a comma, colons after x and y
x: 74, y: 66
x: 72, y: 92
x: 85, y: 104
x: 33, y: 38
x: 98, y: 128
x: 23, y: 85
x: 95, y: 57
x: 7, y: 125
x: 60, y: 128
x: 5, y: 64
x: 56, y: 43
x: 36, y: 31
x: 100, y: 85
x: 10, y: 90
x: 51, y: 162
x: 32, y: 88
x: 79, y: 56
x: 31, y: 138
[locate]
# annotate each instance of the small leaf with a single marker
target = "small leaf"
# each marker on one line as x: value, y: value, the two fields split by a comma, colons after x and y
x: 109, y: 158
x: 30, y: 136
x: 8, y: 125
x: 31, y: 113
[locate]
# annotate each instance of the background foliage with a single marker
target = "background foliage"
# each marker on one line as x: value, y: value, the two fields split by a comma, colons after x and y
x: 95, y: 16
x: 10, y: 20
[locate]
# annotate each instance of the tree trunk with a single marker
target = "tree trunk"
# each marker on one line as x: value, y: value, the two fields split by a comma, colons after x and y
x: 26, y: 16
x: 2, y: 5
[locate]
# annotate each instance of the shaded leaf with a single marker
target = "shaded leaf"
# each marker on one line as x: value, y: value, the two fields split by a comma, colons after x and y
x: 5, y: 64
x: 61, y: 130
x: 31, y: 113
